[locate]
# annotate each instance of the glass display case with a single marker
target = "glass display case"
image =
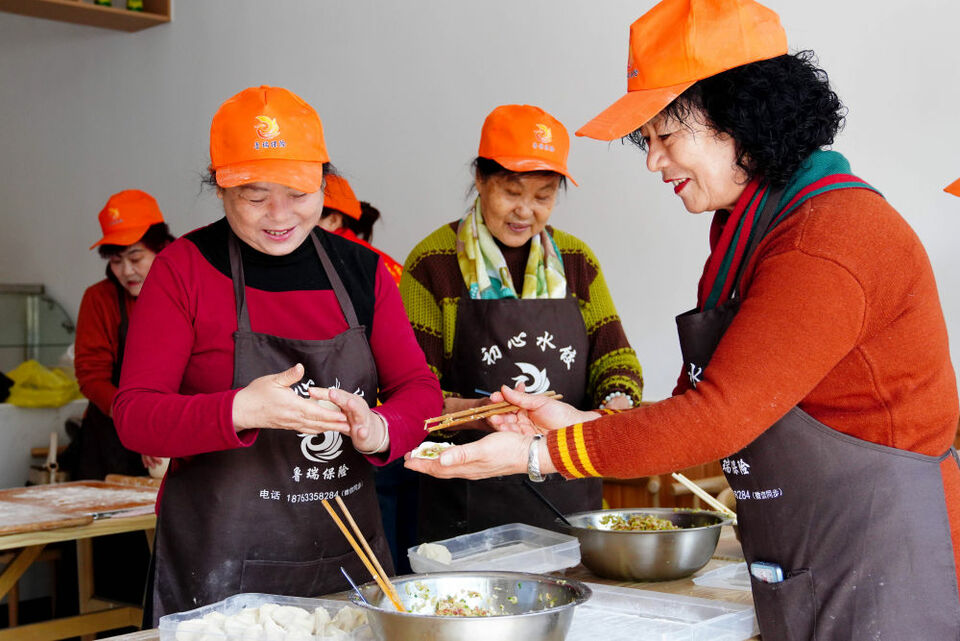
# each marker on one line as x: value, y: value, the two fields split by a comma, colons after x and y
x: 32, y: 326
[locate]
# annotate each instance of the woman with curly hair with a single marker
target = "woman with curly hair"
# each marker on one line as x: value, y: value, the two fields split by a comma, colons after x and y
x: 816, y: 362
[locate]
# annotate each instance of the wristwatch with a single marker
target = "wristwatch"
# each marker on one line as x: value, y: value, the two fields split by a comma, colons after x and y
x: 533, y: 460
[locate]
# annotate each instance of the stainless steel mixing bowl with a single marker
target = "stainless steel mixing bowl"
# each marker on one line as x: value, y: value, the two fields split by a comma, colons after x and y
x: 652, y: 555
x: 534, y: 607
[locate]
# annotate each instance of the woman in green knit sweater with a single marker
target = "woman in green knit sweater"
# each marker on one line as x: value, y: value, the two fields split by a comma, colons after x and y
x: 498, y: 297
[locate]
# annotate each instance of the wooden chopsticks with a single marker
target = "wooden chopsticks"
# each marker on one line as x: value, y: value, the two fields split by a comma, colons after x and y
x: 703, y: 494
x: 373, y: 566
x: 475, y: 413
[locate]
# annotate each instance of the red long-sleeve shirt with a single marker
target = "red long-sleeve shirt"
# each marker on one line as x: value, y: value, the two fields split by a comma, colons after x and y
x: 175, y: 396
x: 98, y: 342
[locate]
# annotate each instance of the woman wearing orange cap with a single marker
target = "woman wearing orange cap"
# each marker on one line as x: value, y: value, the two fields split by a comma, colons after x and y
x: 133, y: 234
x: 499, y: 297
x: 243, y: 326
x: 346, y: 216
x: 816, y: 363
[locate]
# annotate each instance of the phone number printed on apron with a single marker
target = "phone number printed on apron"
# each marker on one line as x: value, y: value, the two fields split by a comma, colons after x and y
x: 757, y: 495
x: 309, y: 497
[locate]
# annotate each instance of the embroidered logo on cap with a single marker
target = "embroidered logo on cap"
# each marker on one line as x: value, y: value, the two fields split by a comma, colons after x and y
x: 114, y: 214
x: 543, y: 136
x: 632, y: 71
x: 267, y: 127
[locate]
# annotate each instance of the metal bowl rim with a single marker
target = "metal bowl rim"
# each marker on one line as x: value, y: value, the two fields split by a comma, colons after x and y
x: 724, y: 519
x: 582, y: 594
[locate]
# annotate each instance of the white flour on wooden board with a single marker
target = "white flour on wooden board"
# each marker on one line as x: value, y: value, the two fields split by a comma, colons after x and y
x: 12, y: 514
x: 77, y: 498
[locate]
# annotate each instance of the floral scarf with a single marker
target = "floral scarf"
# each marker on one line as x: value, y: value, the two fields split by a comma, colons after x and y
x: 485, y: 271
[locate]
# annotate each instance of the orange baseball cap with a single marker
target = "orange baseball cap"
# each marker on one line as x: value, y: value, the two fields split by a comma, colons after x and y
x: 338, y: 195
x: 268, y: 134
x: 525, y: 138
x: 953, y: 188
x: 126, y: 217
x: 679, y: 42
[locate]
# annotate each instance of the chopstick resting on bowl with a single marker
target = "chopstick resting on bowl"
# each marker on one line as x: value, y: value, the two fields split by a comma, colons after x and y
x: 474, y: 413
x: 703, y: 494
x: 373, y: 566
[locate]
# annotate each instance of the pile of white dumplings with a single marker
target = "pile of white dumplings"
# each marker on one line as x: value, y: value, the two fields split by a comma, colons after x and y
x: 272, y: 622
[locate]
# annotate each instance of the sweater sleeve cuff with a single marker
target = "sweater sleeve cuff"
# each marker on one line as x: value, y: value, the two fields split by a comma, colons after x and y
x: 231, y: 436
x: 569, y: 452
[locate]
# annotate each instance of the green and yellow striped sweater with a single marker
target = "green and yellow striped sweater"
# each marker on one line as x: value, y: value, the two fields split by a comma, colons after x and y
x: 431, y: 287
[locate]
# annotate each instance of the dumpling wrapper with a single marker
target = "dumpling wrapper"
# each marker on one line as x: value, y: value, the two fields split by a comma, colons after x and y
x: 430, y: 450
x: 328, y: 405
x: 435, y: 552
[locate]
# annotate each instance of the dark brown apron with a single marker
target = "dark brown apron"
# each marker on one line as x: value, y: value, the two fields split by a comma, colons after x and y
x: 860, y: 530
x: 100, y: 451
x: 249, y: 519
x: 542, y: 343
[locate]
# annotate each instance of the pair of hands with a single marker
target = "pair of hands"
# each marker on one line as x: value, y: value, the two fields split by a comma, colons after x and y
x: 505, y: 451
x: 269, y: 402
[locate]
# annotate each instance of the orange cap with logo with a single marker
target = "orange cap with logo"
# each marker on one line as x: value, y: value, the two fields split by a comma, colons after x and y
x: 338, y: 195
x: 953, y: 188
x: 525, y: 138
x: 268, y: 134
x: 679, y: 42
x: 126, y: 217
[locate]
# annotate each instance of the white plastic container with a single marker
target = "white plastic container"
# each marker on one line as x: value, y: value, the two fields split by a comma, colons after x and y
x: 513, y: 547
x: 729, y: 577
x: 628, y: 614
x: 233, y: 605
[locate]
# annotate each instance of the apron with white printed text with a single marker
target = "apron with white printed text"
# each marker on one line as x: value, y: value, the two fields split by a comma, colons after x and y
x: 249, y: 519
x: 860, y: 530
x: 543, y: 344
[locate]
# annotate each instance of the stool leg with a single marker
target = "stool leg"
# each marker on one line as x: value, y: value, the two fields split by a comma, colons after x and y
x: 13, y: 605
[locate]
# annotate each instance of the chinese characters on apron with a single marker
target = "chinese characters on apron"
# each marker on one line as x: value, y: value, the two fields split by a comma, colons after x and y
x: 543, y: 344
x: 249, y: 519
x: 859, y: 529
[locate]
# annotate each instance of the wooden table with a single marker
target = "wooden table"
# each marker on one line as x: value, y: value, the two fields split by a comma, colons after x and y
x: 728, y: 551
x: 28, y: 543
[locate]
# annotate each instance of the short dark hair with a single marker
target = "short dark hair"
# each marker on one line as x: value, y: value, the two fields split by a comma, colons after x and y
x: 778, y: 112
x: 155, y: 239
x: 485, y: 168
x: 363, y: 227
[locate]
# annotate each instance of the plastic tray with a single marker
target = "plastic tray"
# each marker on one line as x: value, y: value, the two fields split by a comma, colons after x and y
x: 232, y: 605
x: 516, y: 547
x: 628, y: 614
x: 729, y: 577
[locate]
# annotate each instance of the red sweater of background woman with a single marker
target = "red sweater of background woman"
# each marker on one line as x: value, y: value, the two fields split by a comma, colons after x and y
x: 175, y: 396
x: 98, y: 342
x: 839, y: 315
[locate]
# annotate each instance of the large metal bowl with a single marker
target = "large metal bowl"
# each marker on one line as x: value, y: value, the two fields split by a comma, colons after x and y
x: 654, y: 555
x: 534, y: 607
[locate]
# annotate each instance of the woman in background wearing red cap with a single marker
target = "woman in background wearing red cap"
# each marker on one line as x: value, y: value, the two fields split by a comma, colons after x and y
x: 243, y: 326
x: 816, y: 362
x: 133, y: 234
x: 346, y: 216
x: 500, y: 298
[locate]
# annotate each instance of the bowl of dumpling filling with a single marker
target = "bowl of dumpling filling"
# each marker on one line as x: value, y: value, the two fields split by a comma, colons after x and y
x: 474, y: 606
x: 646, y: 544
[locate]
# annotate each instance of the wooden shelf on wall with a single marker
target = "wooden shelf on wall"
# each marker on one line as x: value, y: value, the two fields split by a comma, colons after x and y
x: 155, y: 12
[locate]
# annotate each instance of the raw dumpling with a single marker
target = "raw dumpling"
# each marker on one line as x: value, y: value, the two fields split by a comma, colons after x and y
x: 430, y: 450
x: 349, y: 618
x: 435, y: 552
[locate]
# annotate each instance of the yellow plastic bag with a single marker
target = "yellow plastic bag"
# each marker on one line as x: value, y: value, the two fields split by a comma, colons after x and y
x: 37, y: 386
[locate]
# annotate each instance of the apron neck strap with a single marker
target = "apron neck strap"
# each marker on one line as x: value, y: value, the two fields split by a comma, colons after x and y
x: 239, y: 283
x: 124, y: 322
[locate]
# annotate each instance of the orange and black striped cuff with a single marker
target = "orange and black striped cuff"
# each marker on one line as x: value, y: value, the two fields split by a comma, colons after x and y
x: 568, y: 450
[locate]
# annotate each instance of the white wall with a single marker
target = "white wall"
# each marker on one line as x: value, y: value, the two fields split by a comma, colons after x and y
x: 403, y: 88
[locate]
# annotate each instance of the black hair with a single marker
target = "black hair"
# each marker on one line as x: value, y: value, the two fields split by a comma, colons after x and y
x: 209, y: 179
x: 778, y: 112
x: 155, y: 239
x: 363, y: 227
x: 484, y: 168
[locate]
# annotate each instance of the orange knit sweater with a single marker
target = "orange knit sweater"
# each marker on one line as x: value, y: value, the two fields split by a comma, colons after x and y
x: 840, y: 315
